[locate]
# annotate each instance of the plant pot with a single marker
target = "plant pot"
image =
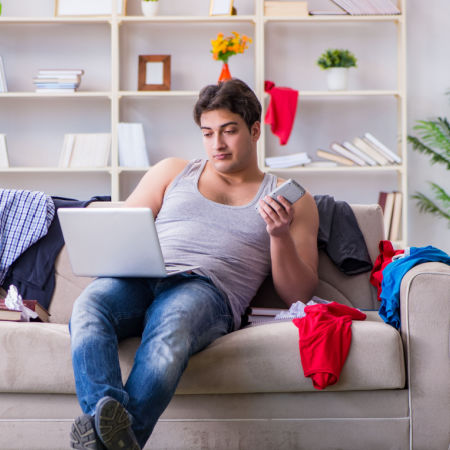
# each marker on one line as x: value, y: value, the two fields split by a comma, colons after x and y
x: 149, y: 8
x: 337, y: 78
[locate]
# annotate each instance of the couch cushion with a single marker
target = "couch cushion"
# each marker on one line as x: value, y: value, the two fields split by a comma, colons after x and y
x: 36, y: 358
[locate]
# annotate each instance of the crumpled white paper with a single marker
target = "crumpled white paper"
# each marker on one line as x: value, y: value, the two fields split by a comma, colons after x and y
x: 297, y: 309
x: 13, y: 300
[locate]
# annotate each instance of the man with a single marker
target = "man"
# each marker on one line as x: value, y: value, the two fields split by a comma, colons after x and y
x: 207, y: 215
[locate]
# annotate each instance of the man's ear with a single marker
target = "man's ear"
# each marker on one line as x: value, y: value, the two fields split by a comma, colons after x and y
x: 255, y: 131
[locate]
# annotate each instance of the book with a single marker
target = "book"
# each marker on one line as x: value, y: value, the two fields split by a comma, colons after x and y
x: 347, y: 154
x: 66, y: 152
x: 369, y: 150
x: 4, y: 162
x: 9, y: 314
x: 367, y: 7
x: 132, y: 147
x: 294, y: 159
x: 394, y: 232
x: 389, y: 154
x: 54, y: 91
x: 3, y: 84
x: 34, y: 305
x: 350, y: 147
x: 334, y: 12
x: 85, y: 150
x: 261, y: 311
x: 382, y: 199
x: 333, y: 157
x: 91, y: 150
x: 60, y: 72
x: 387, y: 213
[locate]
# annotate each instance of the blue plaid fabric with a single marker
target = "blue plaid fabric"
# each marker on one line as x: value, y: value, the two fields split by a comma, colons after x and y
x: 24, y: 218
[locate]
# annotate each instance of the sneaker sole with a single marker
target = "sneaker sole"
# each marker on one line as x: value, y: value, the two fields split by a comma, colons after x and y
x: 82, y: 435
x: 113, y: 426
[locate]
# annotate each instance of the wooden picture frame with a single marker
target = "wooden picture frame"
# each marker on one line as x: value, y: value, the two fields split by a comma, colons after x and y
x: 221, y: 7
x: 88, y: 7
x: 154, y: 73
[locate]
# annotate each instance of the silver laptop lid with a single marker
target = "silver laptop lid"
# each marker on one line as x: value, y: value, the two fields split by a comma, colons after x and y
x: 116, y: 242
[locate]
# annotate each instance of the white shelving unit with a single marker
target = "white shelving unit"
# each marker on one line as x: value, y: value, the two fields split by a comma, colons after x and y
x: 108, y: 94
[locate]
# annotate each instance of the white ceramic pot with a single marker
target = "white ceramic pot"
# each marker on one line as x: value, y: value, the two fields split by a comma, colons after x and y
x: 337, y: 78
x: 149, y: 8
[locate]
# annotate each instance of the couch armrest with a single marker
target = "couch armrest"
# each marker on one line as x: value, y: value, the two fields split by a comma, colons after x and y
x: 425, y: 318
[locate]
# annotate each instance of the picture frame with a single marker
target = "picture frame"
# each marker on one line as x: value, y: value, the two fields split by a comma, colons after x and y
x: 154, y: 73
x: 221, y: 7
x: 88, y: 7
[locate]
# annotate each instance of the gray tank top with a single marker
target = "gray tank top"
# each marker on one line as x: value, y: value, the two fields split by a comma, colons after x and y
x: 230, y: 243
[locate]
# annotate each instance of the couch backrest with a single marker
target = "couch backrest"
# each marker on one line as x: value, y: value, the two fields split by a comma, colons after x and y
x: 352, y: 290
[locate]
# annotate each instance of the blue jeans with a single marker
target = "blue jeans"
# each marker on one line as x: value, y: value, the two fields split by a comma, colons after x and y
x: 176, y: 317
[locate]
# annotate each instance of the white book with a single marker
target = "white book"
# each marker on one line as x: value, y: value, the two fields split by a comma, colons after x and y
x: 344, y: 152
x: 66, y: 151
x: 132, y: 147
x: 60, y: 72
x: 3, y: 84
x: 366, y: 148
x: 4, y: 162
x: 91, y: 150
x: 54, y: 91
x: 381, y: 147
x: 349, y: 146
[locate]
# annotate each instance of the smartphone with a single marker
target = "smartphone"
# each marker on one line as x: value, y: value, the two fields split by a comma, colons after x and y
x: 290, y: 190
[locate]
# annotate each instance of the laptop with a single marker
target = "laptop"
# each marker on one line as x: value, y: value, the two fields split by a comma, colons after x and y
x: 114, y: 242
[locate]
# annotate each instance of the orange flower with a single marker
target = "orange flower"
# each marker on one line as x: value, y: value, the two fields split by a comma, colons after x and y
x: 224, y: 47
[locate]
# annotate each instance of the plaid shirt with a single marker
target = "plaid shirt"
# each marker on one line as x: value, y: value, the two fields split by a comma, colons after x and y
x: 24, y: 218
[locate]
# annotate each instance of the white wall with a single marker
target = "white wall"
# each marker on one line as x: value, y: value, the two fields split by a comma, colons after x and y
x: 428, y: 80
x: 317, y: 123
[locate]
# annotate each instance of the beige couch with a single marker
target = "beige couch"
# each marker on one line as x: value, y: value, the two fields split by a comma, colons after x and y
x: 247, y: 389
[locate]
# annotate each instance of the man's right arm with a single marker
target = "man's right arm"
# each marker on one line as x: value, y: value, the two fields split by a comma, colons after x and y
x: 150, y: 190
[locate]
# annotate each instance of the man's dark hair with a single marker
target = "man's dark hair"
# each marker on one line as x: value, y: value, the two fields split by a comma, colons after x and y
x: 233, y: 95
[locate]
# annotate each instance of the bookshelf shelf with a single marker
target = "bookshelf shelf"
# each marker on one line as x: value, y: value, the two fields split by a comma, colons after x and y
x: 284, y: 50
x: 78, y: 94
x: 188, y: 19
x: 45, y: 170
x: 365, y: 169
x: 343, y: 18
x: 138, y: 94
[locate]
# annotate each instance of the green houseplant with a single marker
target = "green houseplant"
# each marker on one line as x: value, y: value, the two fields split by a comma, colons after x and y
x: 434, y: 141
x: 337, y: 62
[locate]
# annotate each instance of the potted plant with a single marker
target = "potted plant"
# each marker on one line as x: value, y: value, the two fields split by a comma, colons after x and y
x: 434, y: 141
x: 337, y: 62
x: 149, y: 7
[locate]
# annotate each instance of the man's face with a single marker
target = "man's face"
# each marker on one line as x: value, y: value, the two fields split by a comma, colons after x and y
x: 229, y: 144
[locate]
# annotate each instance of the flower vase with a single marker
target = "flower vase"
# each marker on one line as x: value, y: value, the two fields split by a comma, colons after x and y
x: 224, y: 74
x: 149, y: 8
x: 337, y: 78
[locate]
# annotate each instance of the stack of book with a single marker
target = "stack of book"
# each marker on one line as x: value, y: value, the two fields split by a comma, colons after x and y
x: 85, y: 150
x: 362, y: 151
x: 367, y: 7
x: 15, y: 315
x: 294, y: 159
x: 58, y: 80
x: 259, y: 315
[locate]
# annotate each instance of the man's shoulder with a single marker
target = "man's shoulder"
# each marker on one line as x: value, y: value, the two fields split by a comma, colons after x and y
x: 169, y: 168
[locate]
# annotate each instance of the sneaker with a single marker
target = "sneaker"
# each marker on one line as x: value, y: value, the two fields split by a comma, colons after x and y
x: 83, y: 435
x: 113, y: 425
